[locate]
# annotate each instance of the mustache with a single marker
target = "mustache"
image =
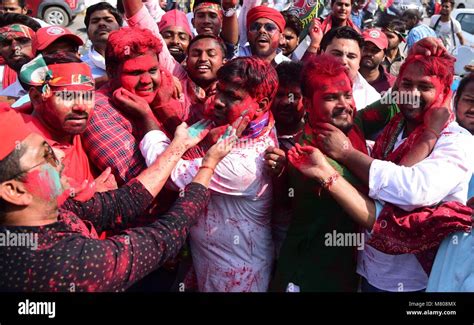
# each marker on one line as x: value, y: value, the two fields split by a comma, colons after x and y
x: 102, y: 29
x: 21, y: 55
x: 340, y: 111
x: 77, y: 116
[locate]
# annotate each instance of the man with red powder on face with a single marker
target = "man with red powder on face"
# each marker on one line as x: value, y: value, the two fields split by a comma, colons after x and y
x: 61, y: 105
x: 409, y: 188
x: 231, y: 246
x: 64, y: 253
x: 205, y: 55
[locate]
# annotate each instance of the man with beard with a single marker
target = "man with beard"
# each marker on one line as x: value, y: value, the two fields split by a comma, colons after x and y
x: 414, y: 187
x: 61, y: 104
x: 231, y: 246
x: 264, y: 31
x: 340, y: 16
x: 393, y: 57
x: 100, y: 20
x: 447, y: 28
x: 373, y: 53
x: 16, y: 37
x: 288, y: 110
x: 174, y: 28
x: 305, y: 262
x: 346, y: 44
x: 291, y: 35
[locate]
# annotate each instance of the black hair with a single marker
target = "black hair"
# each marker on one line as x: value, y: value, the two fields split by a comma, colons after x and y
x: 289, y: 73
x: 332, y: 2
x: 464, y: 82
x: 102, y: 6
x: 21, y: 3
x: 215, y: 38
x: 343, y: 32
x: 412, y: 14
x: 452, y: 2
x: 10, y: 18
x: 293, y: 22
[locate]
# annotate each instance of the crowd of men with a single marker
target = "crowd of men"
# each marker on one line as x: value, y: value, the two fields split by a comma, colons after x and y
x: 234, y: 149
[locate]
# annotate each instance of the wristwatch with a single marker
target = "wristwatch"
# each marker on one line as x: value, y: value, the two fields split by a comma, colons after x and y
x: 230, y: 12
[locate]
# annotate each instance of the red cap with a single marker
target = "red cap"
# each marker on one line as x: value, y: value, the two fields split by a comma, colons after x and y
x: 266, y: 12
x: 377, y: 37
x: 47, y: 35
x: 175, y: 18
x: 14, y: 128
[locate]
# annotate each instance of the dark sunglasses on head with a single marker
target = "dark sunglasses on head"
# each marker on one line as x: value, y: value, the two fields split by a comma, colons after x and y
x: 269, y: 27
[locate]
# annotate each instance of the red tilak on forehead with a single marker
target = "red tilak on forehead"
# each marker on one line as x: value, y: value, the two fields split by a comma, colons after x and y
x: 334, y: 83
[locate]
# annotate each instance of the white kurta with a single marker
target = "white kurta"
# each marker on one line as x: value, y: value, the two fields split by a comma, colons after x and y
x: 231, y: 244
x: 443, y: 176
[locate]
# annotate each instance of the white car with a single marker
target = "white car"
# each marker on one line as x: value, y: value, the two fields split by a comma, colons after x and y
x: 466, y: 18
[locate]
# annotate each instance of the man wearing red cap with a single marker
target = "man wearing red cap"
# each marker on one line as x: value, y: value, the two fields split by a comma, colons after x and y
x: 264, y: 29
x: 174, y: 28
x: 55, y: 39
x: 16, y: 48
x: 373, y: 54
x: 63, y: 252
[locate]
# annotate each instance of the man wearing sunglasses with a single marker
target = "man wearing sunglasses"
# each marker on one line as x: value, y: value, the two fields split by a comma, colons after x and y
x: 62, y: 251
x: 264, y: 30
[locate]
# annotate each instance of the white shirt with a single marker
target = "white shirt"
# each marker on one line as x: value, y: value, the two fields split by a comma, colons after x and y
x: 231, y: 244
x: 443, y: 176
x: 96, y: 62
x: 14, y: 90
x: 279, y: 58
x: 364, y: 94
x: 444, y: 31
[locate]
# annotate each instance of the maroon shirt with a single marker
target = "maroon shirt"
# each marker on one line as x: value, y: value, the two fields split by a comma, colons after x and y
x: 70, y: 257
x: 384, y: 81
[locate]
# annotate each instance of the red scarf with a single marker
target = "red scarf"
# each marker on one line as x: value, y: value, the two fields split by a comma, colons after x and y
x: 326, y: 26
x: 9, y: 75
x: 419, y: 231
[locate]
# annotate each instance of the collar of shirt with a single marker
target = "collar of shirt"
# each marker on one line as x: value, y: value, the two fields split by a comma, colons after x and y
x: 96, y: 58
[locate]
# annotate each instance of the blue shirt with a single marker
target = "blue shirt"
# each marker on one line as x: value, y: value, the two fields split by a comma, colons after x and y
x: 419, y: 32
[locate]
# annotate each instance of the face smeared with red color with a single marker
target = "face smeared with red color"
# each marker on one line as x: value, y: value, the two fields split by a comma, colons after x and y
x: 141, y: 75
x: 264, y: 43
x: 332, y: 103
x: 67, y: 110
x: 427, y: 88
x: 230, y: 102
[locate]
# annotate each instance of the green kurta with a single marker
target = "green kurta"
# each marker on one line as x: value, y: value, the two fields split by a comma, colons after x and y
x: 305, y: 259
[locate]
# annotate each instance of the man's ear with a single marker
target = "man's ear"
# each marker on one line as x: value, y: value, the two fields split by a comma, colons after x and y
x: 263, y: 104
x: 192, y: 22
x: 14, y: 192
x: 35, y: 95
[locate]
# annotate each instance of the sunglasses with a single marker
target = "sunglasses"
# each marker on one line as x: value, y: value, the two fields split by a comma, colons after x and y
x: 269, y: 27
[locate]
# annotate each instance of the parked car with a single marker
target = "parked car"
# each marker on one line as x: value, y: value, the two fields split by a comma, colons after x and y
x: 56, y: 12
x: 466, y: 18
